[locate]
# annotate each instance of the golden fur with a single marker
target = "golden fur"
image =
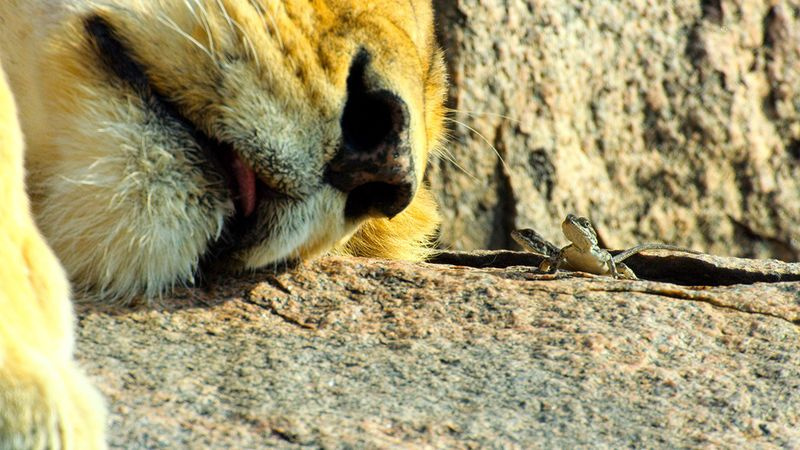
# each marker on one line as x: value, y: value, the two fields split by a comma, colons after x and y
x: 119, y: 102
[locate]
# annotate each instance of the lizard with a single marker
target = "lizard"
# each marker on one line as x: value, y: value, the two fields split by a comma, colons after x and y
x: 584, y: 252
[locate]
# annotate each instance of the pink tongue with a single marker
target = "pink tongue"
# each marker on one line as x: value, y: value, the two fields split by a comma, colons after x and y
x: 246, y: 179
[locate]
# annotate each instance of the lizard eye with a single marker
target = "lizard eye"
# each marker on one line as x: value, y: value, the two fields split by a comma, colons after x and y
x: 585, y: 223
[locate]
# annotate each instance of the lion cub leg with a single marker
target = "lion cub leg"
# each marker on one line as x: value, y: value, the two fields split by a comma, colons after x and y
x: 45, y: 400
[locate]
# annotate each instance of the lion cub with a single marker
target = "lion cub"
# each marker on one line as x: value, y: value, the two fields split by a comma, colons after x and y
x: 168, y: 138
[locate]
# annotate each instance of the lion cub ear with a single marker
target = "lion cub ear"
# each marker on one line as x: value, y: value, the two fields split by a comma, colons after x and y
x: 407, y: 236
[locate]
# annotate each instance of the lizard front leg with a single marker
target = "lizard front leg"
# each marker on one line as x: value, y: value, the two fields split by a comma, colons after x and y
x: 554, y: 262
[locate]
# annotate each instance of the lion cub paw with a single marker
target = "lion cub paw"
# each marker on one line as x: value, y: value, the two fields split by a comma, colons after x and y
x: 47, y: 405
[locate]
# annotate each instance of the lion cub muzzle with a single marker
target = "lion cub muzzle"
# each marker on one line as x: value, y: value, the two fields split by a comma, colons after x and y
x: 374, y: 165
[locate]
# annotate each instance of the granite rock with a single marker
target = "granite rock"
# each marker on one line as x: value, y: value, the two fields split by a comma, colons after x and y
x: 345, y: 352
x: 661, y: 121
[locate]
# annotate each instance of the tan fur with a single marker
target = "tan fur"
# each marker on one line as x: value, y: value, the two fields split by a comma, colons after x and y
x: 125, y: 197
x: 123, y: 191
x: 45, y: 401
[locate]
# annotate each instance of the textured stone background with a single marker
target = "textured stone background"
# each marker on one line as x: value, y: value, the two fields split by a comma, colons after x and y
x: 670, y: 121
x: 356, y: 353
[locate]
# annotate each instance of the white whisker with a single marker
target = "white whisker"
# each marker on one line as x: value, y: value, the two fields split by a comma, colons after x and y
x: 225, y: 14
x: 496, y: 152
x: 446, y: 155
x: 248, y: 42
x: 263, y: 13
x: 481, y: 114
x: 205, y: 22
x: 173, y: 26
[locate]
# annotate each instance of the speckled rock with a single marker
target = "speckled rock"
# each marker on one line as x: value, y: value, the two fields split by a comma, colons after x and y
x: 670, y: 121
x: 365, y: 353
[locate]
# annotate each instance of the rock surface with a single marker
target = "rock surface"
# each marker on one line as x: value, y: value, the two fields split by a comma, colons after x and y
x: 662, y: 121
x: 364, y: 353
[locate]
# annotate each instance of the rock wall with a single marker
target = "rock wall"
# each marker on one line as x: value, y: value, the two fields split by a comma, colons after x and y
x: 662, y: 121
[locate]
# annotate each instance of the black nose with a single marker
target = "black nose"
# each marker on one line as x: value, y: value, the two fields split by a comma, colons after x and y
x: 374, y: 165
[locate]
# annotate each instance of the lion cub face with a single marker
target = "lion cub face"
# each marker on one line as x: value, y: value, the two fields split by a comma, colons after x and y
x: 174, y: 134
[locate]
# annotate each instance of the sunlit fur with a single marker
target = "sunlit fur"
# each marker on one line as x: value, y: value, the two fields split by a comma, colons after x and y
x: 129, y: 201
x: 45, y: 401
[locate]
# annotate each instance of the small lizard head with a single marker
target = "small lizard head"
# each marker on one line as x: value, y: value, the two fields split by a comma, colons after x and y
x: 579, y: 231
x: 532, y: 241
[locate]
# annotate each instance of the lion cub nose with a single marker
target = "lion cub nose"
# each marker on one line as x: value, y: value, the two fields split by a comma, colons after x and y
x: 374, y: 165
